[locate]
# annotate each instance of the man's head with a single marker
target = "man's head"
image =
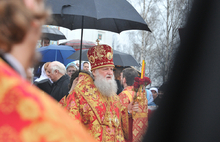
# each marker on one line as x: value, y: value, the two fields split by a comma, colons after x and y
x: 127, y: 76
x: 101, y: 59
x: 105, y: 80
x: 45, y: 42
x: 56, y: 70
x: 86, y: 66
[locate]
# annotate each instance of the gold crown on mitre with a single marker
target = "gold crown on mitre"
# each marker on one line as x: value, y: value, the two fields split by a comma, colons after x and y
x: 100, y: 56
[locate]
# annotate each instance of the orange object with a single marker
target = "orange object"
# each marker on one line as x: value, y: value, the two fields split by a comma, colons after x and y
x: 143, y: 70
x: 29, y: 115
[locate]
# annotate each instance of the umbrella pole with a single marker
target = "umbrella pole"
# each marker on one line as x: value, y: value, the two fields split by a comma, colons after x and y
x: 80, y: 56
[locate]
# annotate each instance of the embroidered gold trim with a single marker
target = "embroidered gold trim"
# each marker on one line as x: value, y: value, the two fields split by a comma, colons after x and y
x: 103, y: 66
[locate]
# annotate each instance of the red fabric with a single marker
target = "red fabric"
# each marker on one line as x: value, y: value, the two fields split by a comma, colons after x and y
x: 139, y: 121
x: 101, y: 115
x: 100, y: 56
x: 130, y: 135
x: 29, y: 115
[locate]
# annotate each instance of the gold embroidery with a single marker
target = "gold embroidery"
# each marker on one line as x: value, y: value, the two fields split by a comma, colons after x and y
x: 99, y: 52
x: 96, y: 130
x: 28, y: 109
x: 98, y: 111
x: 42, y: 129
x: 6, y: 84
x: 140, y: 124
x: 8, y: 105
x: 109, y: 55
x: 8, y: 134
x: 91, y: 59
x: 135, y: 132
x: 140, y: 115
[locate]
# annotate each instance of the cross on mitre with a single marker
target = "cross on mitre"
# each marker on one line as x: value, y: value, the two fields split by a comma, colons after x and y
x: 97, y: 41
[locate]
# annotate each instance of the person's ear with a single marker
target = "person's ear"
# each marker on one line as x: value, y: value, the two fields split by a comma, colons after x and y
x: 93, y: 73
x: 124, y: 80
x: 56, y: 71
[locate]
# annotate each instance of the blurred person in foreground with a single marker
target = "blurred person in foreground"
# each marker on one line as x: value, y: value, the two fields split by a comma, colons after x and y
x: 26, y: 114
x: 137, y: 126
x: 57, y: 73
x: 95, y: 103
x: 29, y: 75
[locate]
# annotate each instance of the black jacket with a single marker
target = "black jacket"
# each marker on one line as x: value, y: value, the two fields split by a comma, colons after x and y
x: 44, y: 85
x: 120, y: 88
x: 60, y: 88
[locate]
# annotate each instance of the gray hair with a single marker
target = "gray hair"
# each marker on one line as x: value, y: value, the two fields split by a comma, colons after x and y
x: 55, y: 65
x: 106, y: 87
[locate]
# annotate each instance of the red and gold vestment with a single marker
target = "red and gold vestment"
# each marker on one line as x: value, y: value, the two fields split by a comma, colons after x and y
x: 138, y: 122
x: 29, y: 115
x: 104, y: 117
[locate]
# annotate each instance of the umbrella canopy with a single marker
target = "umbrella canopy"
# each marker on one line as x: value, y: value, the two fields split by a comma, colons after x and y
x: 75, y: 43
x: 110, y: 15
x: 52, y: 33
x: 119, y: 58
x: 56, y: 53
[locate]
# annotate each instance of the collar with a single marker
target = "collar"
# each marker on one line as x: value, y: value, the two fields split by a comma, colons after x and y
x: 60, y: 79
x: 128, y: 88
x: 15, y: 64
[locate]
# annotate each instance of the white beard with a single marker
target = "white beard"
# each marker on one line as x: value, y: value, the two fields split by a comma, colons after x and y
x: 106, y: 87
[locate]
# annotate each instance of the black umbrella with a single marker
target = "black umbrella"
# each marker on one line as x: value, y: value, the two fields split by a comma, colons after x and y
x: 52, y: 33
x: 110, y: 15
x: 119, y: 58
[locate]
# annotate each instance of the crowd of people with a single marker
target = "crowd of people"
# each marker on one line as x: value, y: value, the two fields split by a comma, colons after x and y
x: 91, y: 109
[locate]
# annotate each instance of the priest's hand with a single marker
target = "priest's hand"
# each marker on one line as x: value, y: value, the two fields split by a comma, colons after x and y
x: 75, y: 81
x: 133, y: 107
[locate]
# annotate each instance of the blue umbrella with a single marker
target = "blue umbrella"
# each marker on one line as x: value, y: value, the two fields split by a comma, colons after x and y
x: 56, y: 53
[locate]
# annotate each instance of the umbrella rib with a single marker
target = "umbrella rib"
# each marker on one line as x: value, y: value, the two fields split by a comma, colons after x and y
x: 61, y: 55
x: 116, y: 25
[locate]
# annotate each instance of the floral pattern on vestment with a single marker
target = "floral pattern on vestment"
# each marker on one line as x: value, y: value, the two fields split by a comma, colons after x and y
x: 140, y: 120
x: 101, y: 115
